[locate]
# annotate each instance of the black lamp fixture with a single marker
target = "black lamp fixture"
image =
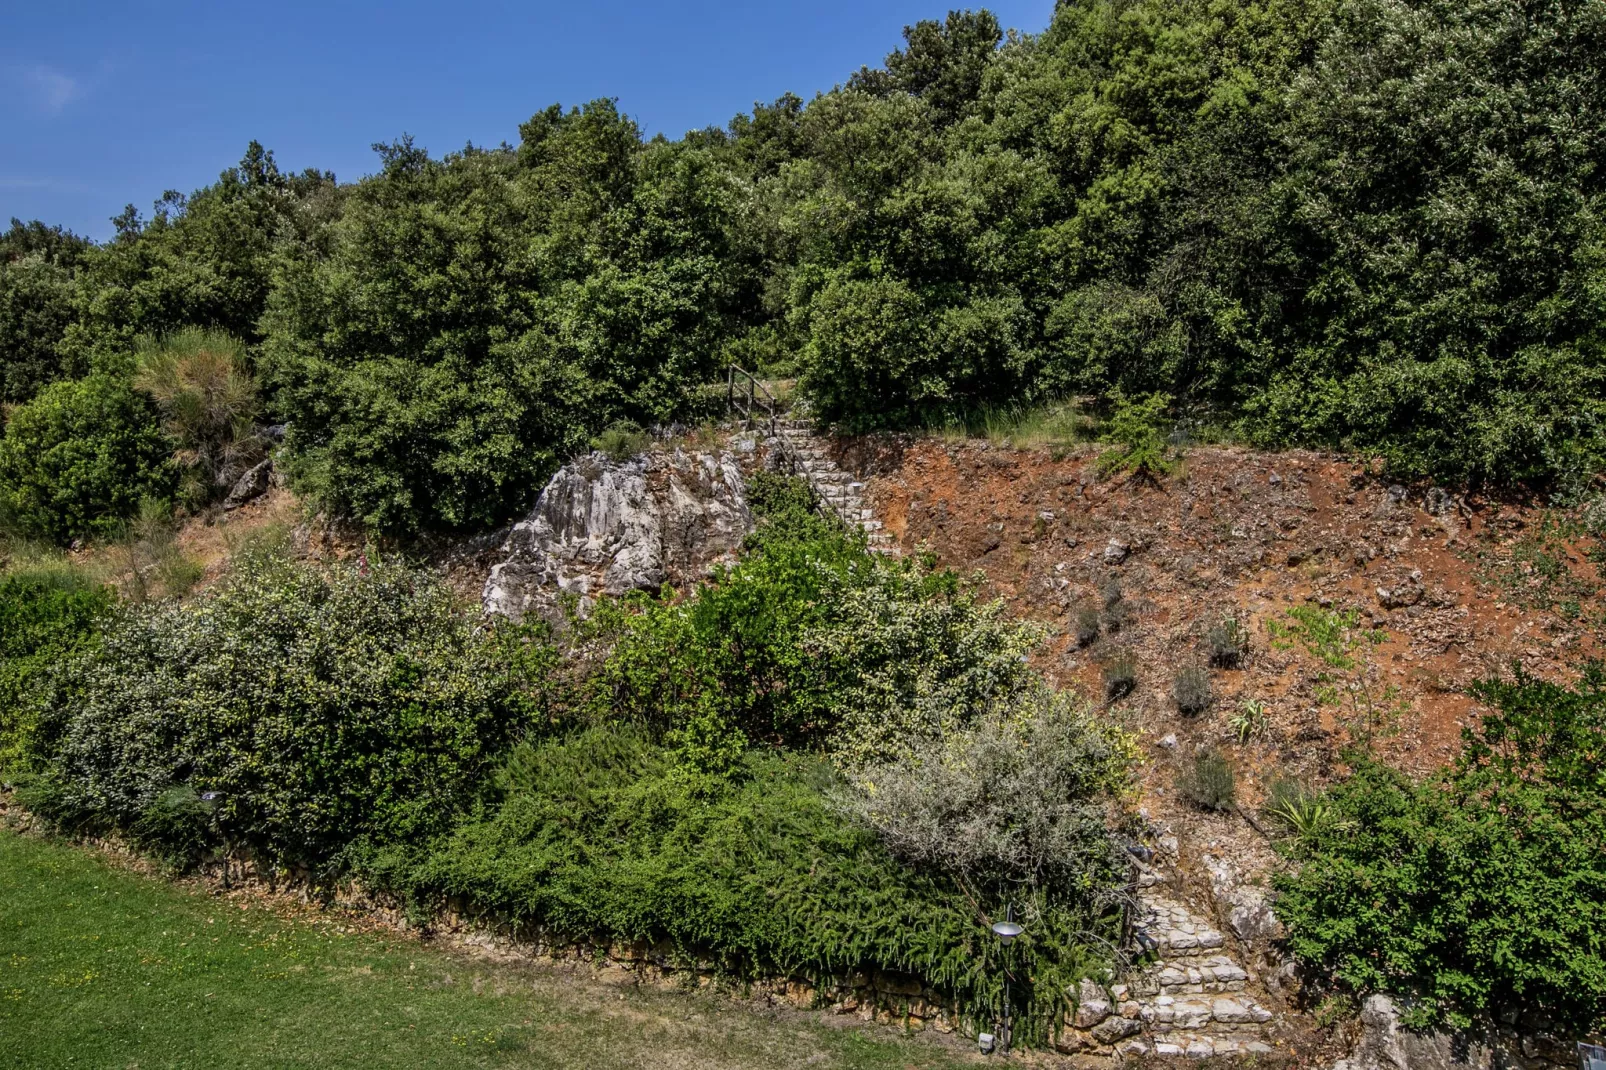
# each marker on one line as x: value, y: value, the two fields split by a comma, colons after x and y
x: 1006, y: 931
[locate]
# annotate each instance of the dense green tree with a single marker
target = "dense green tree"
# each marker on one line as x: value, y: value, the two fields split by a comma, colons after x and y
x: 1372, y: 225
x: 1446, y: 192
x: 38, y: 296
x: 941, y: 62
x: 474, y: 320
x: 77, y: 459
x: 202, y: 260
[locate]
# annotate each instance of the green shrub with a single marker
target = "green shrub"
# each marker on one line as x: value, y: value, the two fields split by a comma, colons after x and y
x: 1017, y: 800
x: 1191, y: 690
x: 77, y: 460
x: 786, y: 509
x: 1480, y: 890
x: 622, y: 440
x: 809, y: 640
x: 600, y: 839
x: 1208, y: 782
x: 1137, y: 426
x: 911, y: 655
x: 46, y: 614
x: 321, y: 708
x: 729, y: 665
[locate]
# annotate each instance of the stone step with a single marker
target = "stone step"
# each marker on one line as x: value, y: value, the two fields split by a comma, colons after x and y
x: 1200, y: 970
x: 1169, y: 1014
x: 1173, y: 930
x: 1195, y: 1046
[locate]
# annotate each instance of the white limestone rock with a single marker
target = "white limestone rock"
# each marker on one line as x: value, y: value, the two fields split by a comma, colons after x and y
x: 606, y: 527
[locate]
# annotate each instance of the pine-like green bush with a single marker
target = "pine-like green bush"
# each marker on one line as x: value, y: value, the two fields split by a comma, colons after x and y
x: 599, y: 838
x: 1191, y: 690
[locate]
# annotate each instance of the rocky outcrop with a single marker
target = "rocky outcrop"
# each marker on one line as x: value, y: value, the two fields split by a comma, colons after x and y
x: 1387, y: 1044
x: 1245, y: 907
x: 252, y: 484
x: 603, y: 526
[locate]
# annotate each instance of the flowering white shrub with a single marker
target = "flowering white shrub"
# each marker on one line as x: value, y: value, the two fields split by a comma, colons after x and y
x: 313, y: 708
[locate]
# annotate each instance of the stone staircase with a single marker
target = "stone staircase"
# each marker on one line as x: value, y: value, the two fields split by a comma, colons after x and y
x: 1187, y: 996
x: 806, y: 454
x: 1192, y: 999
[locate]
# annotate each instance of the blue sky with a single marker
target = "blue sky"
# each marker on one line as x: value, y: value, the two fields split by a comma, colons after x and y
x: 103, y: 104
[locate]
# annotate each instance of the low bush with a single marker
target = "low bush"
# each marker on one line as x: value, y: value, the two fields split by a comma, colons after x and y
x: 77, y: 460
x: 1120, y: 677
x: 47, y: 613
x: 1208, y: 781
x: 1479, y: 891
x: 1191, y: 690
x: 599, y: 838
x: 1089, y: 623
x: 622, y: 440
x: 786, y: 509
x: 1018, y: 800
x: 1226, y: 643
x: 320, y: 708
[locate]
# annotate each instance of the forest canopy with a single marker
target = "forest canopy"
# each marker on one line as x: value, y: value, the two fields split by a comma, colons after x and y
x: 1367, y: 225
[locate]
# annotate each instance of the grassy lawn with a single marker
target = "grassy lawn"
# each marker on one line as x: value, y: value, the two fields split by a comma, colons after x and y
x: 102, y: 967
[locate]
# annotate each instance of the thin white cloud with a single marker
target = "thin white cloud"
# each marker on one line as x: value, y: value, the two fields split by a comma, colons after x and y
x: 23, y: 183
x: 50, y: 90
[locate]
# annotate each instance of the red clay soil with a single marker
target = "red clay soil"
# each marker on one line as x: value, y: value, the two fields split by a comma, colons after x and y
x: 1472, y: 585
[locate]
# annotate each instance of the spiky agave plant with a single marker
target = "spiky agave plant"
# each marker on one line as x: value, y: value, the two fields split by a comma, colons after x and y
x: 1303, y: 813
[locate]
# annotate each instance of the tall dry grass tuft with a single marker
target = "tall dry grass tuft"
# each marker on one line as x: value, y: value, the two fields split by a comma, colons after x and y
x: 201, y: 380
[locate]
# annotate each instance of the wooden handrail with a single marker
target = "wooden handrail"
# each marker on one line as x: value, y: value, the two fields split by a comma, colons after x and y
x: 745, y: 406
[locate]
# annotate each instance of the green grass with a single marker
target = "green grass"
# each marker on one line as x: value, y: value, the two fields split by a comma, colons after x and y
x: 1057, y: 425
x: 102, y: 967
